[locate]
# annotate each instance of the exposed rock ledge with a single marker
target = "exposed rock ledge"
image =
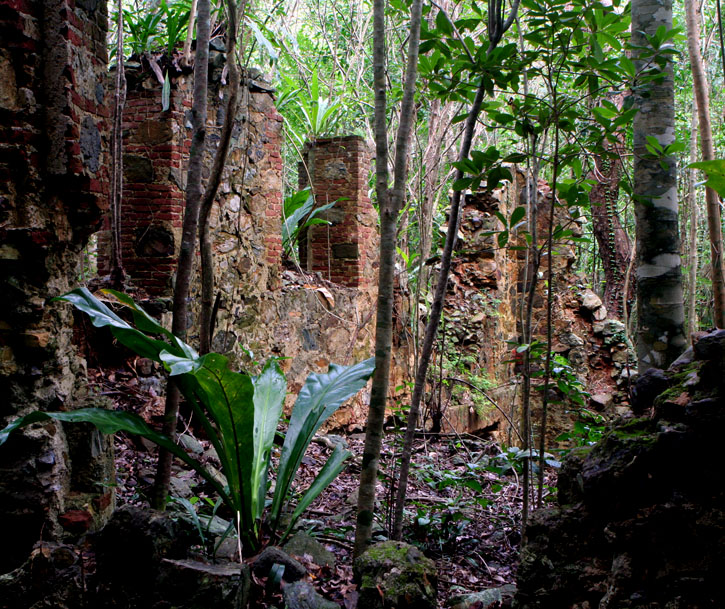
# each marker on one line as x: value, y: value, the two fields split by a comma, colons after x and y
x: 640, y: 520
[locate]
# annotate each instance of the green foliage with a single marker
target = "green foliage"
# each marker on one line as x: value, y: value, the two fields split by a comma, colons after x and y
x: 159, y: 31
x: 715, y: 171
x: 239, y: 414
x: 514, y: 458
x: 298, y: 215
x: 309, y: 116
x: 588, y: 429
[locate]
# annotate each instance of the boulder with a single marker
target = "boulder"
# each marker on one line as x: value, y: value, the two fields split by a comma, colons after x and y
x: 190, y: 584
x: 302, y: 595
x: 302, y: 544
x: 393, y: 575
x: 129, y: 551
x: 51, y: 578
x: 649, y: 385
x: 638, y: 523
x: 272, y: 555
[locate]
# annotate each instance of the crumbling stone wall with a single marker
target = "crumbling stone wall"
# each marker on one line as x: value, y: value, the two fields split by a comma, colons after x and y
x: 485, y: 309
x: 262, y: 311
x: 53, y: 188
x: 156, y: 155
x: 155, y: 152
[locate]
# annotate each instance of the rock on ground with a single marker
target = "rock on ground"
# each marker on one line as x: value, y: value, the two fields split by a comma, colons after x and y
x: 393, y: 575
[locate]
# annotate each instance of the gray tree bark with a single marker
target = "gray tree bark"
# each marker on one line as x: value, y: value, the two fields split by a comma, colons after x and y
x: 390, y: 203
x: 660, y: 309
x: 188, y: 240
x: 206, y: 321
x: 714, y: 220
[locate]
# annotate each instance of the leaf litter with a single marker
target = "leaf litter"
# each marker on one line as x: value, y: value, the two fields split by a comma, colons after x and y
x: 464, y: 499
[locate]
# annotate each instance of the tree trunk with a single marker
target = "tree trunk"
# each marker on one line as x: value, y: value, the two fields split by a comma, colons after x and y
x: 660, y: 311
x: 119, y: 99
x: 714, y: 221
x: 497, y: 29
x: 390, y: 203
x: 692, y: 258
x: 612, y: 240
x: 188, y: 239
x: 230, y: 114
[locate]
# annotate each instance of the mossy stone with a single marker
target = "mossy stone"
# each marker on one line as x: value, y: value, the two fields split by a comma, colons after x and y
x: 393, y: 574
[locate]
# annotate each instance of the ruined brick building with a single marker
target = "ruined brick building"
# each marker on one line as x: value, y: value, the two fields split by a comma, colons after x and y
x: 54, y: 182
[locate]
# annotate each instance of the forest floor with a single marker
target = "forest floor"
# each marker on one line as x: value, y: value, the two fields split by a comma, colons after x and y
x: 464, y: 498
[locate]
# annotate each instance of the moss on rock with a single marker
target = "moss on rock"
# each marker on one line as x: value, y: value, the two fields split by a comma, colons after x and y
x: 404, y: 576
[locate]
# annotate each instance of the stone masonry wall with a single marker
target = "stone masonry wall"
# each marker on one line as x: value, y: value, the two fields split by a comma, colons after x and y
x: 156, y: 155
x: 156, y: 149
x: 263, y: 310
x: 345, y: 250
x: 53, y: 188
x: 484, y: 309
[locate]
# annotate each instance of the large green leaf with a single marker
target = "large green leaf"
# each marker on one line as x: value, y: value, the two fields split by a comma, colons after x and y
x: 321, y: 395
x: 228, y: 397
x: 136, y: 340
x: 332, y: 468
x: 109, y: 422
x: 715, y: 171
x: 270, y: 389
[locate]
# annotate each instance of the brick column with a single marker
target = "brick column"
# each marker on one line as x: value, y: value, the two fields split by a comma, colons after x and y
x: 155, y: 155
x: 344, y: 251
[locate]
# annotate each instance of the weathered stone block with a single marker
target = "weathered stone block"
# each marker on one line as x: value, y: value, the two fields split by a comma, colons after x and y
x: 137, y: 168
x: 396, y: 575
x: 345, y: 251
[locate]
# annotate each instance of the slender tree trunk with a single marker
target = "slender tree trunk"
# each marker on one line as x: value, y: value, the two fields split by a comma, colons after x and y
x: 212, y: 186
x: 497, y: 29
x: 188, y: 239
x: 692, y: 234
x: 117, y: 272
x: 549, y: 303
x: 189, y: 34
x: 660, y: 311
x: 390, y: 204
x: 714, y: 220
x: 612, y: 240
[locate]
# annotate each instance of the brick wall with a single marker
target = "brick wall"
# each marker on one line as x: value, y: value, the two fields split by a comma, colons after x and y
x: 156, y: 155
x: 345, y: 251
x: 156, y: 147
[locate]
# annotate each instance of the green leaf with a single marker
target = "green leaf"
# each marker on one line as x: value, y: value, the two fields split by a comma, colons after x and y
x: 228, y: 397
x: 653, y: 143
x: 101, y: 316
x: 462, y: 184
x: 166, y: 93
x: 321, y: 395
x: 270, y: 389
x: 332, y: 468
x: 110, y: 422
x: 443, y: 25
x: 517, y: 215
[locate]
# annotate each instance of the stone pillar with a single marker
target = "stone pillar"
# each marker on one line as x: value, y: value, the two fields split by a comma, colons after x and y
x: 344, y: 251
x: 53, y: 188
